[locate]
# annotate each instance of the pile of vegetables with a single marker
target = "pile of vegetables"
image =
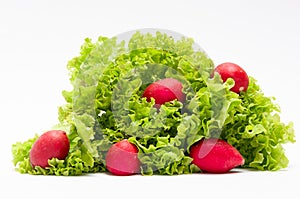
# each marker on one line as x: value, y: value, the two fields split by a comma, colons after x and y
x: 154, y: 103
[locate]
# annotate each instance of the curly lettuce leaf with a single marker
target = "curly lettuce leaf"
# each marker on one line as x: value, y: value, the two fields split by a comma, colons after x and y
x: 255, y: 129
x: 105, y: 106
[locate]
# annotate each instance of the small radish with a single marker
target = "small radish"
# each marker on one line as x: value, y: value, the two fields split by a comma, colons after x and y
x: 234, y: 71
x: 51, y: 144
x: 215, y: 156
x: 164, y: 90
x: 122, y: 159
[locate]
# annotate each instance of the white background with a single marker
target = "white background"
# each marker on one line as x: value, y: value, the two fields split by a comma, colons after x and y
x: 37, y: 38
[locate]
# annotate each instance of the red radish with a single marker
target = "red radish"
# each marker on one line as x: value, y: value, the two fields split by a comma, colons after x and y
x: 51, y: 144
x: 215, y: 156
x: 122, y: 159
x: 164, y: 90
x: 234, y: 71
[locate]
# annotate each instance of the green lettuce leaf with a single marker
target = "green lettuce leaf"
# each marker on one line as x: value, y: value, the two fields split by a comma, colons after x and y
x: 255, y: 129
x: 105, y: 106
